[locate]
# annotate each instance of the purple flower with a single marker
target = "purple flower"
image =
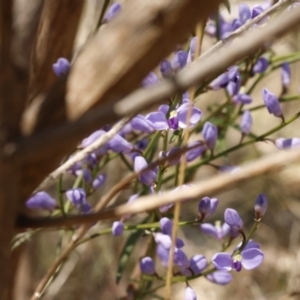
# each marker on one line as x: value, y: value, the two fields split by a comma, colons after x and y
x: 220, y: 277
x: 112, y: 11
x: 163, y: 239
x: 242, y: 99
x: 246, y: 122
x: 76, y: 196
x: 291, y: 143
x: 236, y: 24
x: 147, y: 177
x: 163, y: 254
x: 210, y: 134
x: 180, y: 258
x: 225, y: 28
x: 166, y: 69
x: 91, y: 159
x: 217, y: 231
x: 260, y: 206
x: 234, y: 83
x: 261, y: 65
x: 272, y: 103
x: 85, y: 174
x: 195, y: 152
x: 179, y: 60
x: 198, y: 263
x: 119, y: 145
x: 244, y: 12
x: 147, y: 265
x: 189, y: 294
x: 150, y: 80
x: 233, y: 219
x: 61, y: 67
x: 99, y: 181
x: 207, y: 206
x: 220, y: 82
x: 92, y: 138
x: 165, y: 225
x: 177, y: 119
x: 140, y: 123
x: 41, y: 200
x: 182, y: 114
x: 117, y: 228
x: 285, y: 75
x: 250, y: 258
x: 257, y: 10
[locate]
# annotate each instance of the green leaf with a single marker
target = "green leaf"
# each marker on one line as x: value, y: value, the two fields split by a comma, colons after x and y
x: 126, y: 253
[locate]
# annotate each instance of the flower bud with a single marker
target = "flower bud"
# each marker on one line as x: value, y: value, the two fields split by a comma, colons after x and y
x: 76, y: 196
x: 165, y: 225
x: 99, y: 181
x: 285, y: 75
x: 112, y: 11
x: 272, y: 103
x: 180, y: 258
x: 256, y: 10
x: 189, y: 294
x: 198, y: 263
x: 147, y: 177
x: 204, y: 206
x: 179, y: 60
x: 233, y: 219
x: 117, y: 228
x: 261, y: 65
x: 165, y: 69
x: 242, y: 99
x: 41, y: 200
x: 150, y: 80
x: 292, y: 143
x: 61, y: 67
x: 147, y: 265
x: 246, y: 122
x: 210, y: 134
x: 260, y: 206
x: 244, y: 12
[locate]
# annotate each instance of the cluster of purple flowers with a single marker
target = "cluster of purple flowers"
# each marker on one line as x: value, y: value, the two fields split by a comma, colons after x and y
x: 247, y: 254
x: 168, y: 122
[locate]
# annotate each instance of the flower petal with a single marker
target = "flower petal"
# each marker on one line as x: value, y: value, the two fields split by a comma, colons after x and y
x: 222, y: 261
x: 252, y: 258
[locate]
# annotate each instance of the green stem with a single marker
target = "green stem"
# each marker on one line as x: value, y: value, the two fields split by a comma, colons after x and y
x: 152, y: 143
x: 126, y: 163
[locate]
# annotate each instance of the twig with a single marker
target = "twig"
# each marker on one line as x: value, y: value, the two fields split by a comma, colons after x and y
x: 25, y: 222
x: 79, y: 156
x: 243, y: 28
x: 201, y: 71
x: 197, y: 189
